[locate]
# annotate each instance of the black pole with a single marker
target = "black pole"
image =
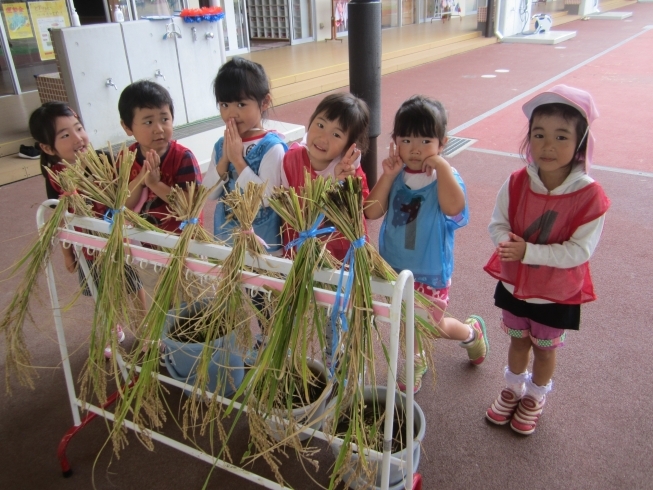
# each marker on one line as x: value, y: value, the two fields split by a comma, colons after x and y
x: 365, y: 70
x: 489, y: 23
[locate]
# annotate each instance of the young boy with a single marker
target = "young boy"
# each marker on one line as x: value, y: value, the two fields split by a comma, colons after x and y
x: 147, y: 113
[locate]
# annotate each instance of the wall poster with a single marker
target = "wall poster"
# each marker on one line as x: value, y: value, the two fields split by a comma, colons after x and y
x: 17, y: 20
x: 47, y: 15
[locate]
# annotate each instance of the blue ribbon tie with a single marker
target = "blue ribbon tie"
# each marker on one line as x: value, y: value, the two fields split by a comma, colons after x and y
x: 342, y: 300
x: 192, y: 221
x: 109, y: 214
x: 313, y: 232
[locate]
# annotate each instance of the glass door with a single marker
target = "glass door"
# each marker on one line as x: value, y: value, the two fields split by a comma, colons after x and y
x: 302, y: 21
x: 26, y: 36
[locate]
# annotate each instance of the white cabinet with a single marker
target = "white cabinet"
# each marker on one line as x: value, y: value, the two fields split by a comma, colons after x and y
x: 199, y: 62
x: 268, y: 19
x: 151, y: 56
x: 94, y: 69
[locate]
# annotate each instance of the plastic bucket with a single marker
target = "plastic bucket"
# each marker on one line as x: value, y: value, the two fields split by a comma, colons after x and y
x: 397, y: 474
x: 181, y: 359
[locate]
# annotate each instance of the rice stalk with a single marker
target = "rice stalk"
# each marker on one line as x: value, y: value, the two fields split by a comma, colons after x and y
x: 17, y: 357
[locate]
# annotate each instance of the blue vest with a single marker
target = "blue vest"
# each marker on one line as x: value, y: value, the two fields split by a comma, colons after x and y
x: 417, y: 236
x: 267, y: 223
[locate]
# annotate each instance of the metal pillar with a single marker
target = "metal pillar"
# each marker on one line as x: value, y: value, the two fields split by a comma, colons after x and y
x: 365, y: 70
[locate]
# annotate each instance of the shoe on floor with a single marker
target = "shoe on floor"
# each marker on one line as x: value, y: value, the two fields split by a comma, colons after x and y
x: 477, y: 349
x: 527, y: 414
x: 503, y: 408
x: 120, y: 334
x: 421, y: 367
x: 30, y: 152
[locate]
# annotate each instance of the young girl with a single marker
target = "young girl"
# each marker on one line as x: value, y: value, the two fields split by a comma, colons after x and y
x: 546, y: 224
x: 61, y: 136
x: 332, y: 147
x: 246, y: 152
x: 423, y: 200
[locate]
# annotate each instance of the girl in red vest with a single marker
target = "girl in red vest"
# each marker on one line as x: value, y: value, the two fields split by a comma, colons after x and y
x: 335, y: 139
x: 546, y: 224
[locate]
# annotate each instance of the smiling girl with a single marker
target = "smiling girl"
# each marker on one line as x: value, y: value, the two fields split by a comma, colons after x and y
x: 546, y: 225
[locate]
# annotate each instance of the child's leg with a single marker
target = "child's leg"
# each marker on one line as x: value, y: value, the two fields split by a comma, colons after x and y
x: 545, y: 341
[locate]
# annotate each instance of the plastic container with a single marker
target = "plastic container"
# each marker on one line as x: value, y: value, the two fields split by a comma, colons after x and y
x: 226, y: 370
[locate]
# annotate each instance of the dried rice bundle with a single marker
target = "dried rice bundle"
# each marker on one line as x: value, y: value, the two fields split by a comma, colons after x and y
x: 17, y: 357
x: 282, y: 378
x: 171, y: 288
x: 229, y: 312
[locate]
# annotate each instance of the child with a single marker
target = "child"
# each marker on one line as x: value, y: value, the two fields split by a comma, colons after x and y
x: 61, y: 136
x: 332, y: 147
x: 246, y: 152
x: 424, y: 198
x: 546, y: 224
x: 147, y: 113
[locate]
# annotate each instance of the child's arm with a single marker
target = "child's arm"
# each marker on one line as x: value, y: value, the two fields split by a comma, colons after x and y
x: 450, y: 195
x: 499, y: 226
x: 571, y: 253
x: 135, y: 189
x: 269, y: 173
x: 214, y: 175
x: 376, y: 203
x: 152, y: 164
x: 69, y: 258
x: 233, y: 147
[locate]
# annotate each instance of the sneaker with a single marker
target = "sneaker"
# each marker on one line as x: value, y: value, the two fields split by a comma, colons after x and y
x: 30, y: 152
x: 252, y: 354
x: 503, y: 407
x: 420, y: 370
x: 121, y: 336
x: 477, y: 349
x: 527, y: 414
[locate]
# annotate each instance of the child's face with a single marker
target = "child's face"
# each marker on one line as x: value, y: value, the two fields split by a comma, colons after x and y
x: 245, y: 113
x: 325, y: 140
x: 553, y: 144
x: 70, y: 138
x: 413, y: 150
x: 152, y: 128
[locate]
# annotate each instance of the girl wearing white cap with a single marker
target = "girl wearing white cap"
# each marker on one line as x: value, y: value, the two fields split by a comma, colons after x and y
x: 546, y: 224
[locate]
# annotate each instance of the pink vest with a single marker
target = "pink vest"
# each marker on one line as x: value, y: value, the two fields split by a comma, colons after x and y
x: 546, y: 219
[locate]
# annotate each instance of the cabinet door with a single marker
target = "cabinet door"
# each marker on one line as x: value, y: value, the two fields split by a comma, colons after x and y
x: 199, y: 62
x: 90, y: 57
x: 152, y: 57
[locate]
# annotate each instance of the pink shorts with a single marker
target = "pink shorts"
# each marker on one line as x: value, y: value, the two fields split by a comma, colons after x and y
x: 439, y: 297
x: 542, y: 336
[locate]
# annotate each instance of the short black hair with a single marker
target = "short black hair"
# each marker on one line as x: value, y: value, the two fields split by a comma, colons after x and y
x: 569, y: 114
x: 352, y: 114
x: 421, y: 116
x: 240, y: 79
x: 140, y: 95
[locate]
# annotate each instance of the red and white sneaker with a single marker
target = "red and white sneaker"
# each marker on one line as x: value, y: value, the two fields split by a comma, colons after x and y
x: 503, y: 407
x: 527, y: 414
x: 120, y: 334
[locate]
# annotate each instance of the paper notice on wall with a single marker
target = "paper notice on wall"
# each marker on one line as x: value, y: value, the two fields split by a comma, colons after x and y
x: 47, y: 15
x: 17, y: 17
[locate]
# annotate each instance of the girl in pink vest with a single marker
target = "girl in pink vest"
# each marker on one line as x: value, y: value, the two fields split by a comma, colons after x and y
x: 546, y: 224
x: 332, y: 147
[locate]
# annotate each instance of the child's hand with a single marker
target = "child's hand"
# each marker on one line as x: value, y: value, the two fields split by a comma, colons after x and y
x: 345, y: 167
x: 152, y: 164
x: 433, y: 163
x: 513, y: 250
x: 392, y: 166
x: 233, y: 143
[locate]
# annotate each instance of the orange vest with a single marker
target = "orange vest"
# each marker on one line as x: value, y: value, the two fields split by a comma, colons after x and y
x: 546, y: 219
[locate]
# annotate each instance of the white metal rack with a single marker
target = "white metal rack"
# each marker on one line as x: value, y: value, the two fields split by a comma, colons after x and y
x: 268, y: 19
x: 400, y: 291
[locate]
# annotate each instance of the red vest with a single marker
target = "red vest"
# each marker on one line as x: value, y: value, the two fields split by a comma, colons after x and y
x: 546, y: 219
x: 295, y: 163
